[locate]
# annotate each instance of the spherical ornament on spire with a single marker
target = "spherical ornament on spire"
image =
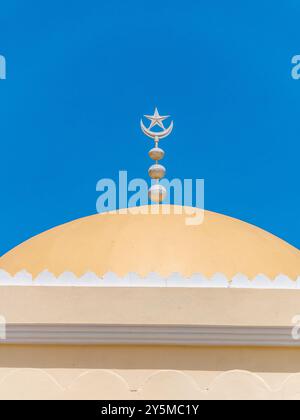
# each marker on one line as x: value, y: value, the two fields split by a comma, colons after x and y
x: 157, y: 171
x: 157, y: 193
x: 156, y: 153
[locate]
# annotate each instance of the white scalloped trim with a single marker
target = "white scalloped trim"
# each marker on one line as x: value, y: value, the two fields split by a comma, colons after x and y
x: 105, y: 384
x: 218, y: 280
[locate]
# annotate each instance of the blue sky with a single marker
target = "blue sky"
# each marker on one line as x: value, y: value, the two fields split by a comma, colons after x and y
x: 81, y: 74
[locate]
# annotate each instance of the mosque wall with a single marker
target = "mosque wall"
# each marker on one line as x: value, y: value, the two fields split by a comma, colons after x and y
x: 30, y: 369
x: 148, y: 372
x: 149, y: 306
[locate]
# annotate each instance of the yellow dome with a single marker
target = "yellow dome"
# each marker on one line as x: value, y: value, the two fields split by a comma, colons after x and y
x: 155, y: 243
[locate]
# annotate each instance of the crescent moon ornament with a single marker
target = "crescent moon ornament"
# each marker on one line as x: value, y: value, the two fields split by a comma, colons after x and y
x: 157, y: 193
x: 157, y: 119
x: 157, y: 135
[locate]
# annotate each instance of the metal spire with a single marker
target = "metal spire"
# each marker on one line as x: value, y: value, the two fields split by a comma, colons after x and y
x: 157, y: 192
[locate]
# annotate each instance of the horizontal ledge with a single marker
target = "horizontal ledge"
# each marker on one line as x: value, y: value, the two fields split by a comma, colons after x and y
x: 148, y: 334
x: 133, y: 280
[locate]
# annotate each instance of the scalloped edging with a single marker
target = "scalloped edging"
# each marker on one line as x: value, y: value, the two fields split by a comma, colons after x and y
x: 107, y: 384
x: 90, y: 279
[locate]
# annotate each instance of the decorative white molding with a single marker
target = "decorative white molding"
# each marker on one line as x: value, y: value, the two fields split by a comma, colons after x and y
x: 107, y: 384
x: 86, y: 334
x: 89, y: 279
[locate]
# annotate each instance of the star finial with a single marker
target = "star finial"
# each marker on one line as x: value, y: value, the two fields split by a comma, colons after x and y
x: 157, y: 119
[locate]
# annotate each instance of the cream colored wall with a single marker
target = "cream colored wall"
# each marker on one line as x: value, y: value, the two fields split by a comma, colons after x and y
x: 147, y: 372
x: 146, y: 306
x: 151, y: 372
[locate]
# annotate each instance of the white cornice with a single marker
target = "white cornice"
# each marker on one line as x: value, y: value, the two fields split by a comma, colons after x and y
x: 87, y: 334
x: 90, y: 279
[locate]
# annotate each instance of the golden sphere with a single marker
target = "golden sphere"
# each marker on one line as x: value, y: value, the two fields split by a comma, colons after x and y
x: 156, y: 153
x: 157, y: 193
x: 157, y: 171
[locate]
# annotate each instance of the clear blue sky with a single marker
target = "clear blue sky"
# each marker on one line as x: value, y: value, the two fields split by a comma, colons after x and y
x: 81, y: 73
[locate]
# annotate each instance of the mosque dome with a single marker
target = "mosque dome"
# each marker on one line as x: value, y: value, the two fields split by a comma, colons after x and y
x: 145, y: 243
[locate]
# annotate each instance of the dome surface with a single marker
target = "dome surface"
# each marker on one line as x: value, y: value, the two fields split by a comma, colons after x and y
x: 155, y: 243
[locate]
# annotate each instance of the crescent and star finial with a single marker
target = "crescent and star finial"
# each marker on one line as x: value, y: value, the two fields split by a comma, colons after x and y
x: 157, y: 119
x: 157, y: 192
